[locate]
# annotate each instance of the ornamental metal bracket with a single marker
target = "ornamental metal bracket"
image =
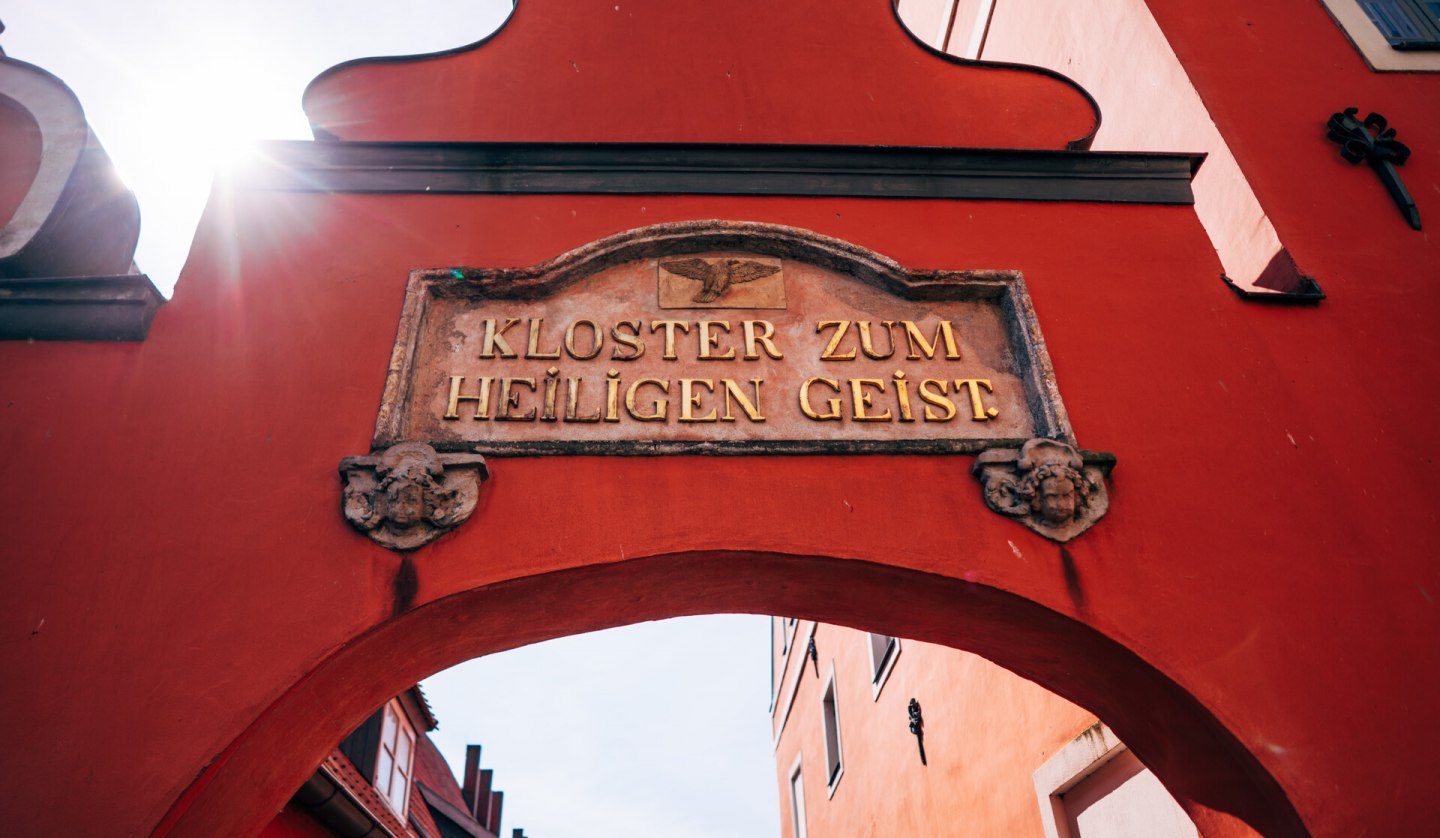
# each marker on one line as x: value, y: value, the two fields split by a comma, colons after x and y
x: 1378, y: 148
x: 1047, y: 485
x: 408, y: 495
x: 917, y: 726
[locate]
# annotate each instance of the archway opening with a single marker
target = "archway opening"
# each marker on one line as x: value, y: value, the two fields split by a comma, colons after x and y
x: 1197, y: 758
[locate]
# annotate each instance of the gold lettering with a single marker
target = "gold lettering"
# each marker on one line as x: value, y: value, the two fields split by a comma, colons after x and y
x: 752, y: 409
x: 670, y: 326
x: 689, y: 399
x: 494, y: 340
x: 869, y: 348
x: 509, y: 401
x: 902, y: 387
x: 551, y: 383
x: 834, y: 404
x: 572, y: 404
x: 710, y: 341
x: 914, y: 337
x: 532, y: 349
x: 841, y: 327
x: 631, y: 340
x: 764, y: 335
x: 930, y: 396
x: 596, y: 339
x: 482, y: 401
x: 612, y: 396
x: 981, y: 413
x: 659, y: 407
x: 861, y: 399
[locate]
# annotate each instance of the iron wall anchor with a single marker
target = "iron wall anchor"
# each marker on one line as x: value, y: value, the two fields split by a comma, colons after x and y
x: 1380, y: 149
x: 917, y: 727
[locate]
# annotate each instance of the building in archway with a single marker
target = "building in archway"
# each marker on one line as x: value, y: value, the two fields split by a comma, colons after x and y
x: 1218, y: 542
x: 995, y: 754
x: 388, y: 780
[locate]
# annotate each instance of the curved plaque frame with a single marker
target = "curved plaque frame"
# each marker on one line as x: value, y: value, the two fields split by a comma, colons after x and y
x: 1005, y: 289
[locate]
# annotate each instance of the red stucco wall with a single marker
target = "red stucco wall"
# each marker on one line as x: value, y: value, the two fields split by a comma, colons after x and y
x: 294, y: 823
x: 224, y: 571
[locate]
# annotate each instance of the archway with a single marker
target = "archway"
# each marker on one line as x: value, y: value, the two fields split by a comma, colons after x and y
x: 1192, y: 752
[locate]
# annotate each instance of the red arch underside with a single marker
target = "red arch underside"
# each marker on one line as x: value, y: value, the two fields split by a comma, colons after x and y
x: 1197, y: 758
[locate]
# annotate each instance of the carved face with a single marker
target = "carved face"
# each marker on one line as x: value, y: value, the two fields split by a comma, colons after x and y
x: 1057, y: 500
x: 405, y: 503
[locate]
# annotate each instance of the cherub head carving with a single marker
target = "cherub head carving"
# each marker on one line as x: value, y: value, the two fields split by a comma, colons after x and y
x: 1047, y: 485
x: 409, y: 495
x: 1053, y: 484
x: 410, y: 486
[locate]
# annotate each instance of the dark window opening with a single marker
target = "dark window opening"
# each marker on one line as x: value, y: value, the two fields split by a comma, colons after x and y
x: 833, y: 763
x: 882, y: 649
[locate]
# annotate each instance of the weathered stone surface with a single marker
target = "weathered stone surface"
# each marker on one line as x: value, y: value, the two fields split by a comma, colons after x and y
x: 718, y: 337
x: 1047, y: 485
x: 408, y: 495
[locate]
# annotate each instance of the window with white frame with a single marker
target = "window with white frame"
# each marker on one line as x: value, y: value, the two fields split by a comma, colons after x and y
x: 787, y: 633
x: 394, y: 764
x: 1095, y: 787
x: 1406, y: 24
x: 797, y: 801
x: 1392, y: 35
x: 834, y: 763
x: 883, y: 651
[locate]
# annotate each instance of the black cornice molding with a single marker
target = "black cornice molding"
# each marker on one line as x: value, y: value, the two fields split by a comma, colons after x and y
x: 716, y: 169
x: 77, y: 307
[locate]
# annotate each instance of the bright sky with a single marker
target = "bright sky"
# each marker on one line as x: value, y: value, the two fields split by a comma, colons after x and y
x: 658, y: 729
x: 173, y: 87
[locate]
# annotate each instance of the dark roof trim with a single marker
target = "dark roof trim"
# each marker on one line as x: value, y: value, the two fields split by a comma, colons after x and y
x: 718, y: 169
x: 77, y: 307
x: 421, y: 710
x: 326, y: 797
x: 450, y: 812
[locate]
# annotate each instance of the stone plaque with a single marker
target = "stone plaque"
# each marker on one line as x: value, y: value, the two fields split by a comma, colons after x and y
x: 718, y: 337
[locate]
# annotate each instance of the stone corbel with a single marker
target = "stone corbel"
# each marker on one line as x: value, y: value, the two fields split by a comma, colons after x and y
x: 1047, y: 485
x: 408, y: 495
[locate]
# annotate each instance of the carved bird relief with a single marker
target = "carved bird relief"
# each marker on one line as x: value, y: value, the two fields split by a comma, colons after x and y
x: 717, y: 277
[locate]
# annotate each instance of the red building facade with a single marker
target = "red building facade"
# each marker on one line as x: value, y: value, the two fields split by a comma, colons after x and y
x: 1253, y: 617
x: 978, y: 752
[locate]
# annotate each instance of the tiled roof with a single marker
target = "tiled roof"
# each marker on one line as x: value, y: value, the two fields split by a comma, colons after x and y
x: 432, y: 770
x: 426, y: 711
x: 436, y: 782
x: 420, y: 817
